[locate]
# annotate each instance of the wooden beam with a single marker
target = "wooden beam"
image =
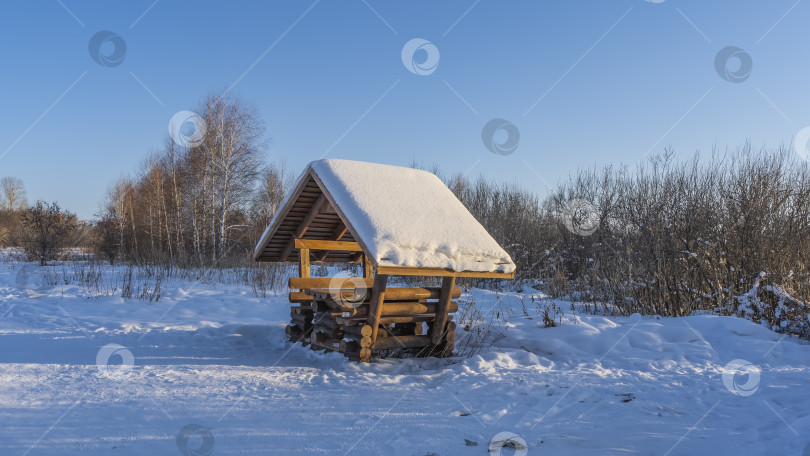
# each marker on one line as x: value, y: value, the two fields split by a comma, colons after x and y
x: 368, y: 268
x: 302, y: 227
x: 340, y: 231
x: 303, y: 263
x: 448, y: 283
x: 435, y: 272
x: 376, y: 304
x: 314, y: 244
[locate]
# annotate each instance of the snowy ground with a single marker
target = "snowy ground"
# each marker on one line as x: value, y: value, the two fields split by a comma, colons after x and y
x: 216, y: 357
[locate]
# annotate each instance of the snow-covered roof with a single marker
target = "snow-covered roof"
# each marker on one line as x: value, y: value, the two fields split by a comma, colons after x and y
x: 401, y: 217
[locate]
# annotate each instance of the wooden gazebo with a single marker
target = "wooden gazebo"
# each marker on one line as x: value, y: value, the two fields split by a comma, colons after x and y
x: 395, y: 221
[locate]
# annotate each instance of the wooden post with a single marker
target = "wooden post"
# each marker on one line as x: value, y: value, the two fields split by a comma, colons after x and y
x: 448, y: 283
x: 303, y: 263
x: 376, y: 304
x: 368, y: 268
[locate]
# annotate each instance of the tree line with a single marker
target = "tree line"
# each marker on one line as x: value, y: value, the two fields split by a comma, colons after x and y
x: 196, y: 204
x: 666, y: 236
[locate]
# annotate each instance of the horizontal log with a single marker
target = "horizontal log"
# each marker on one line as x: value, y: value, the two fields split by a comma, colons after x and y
x: 322, y: 340
x: 302, y: 318
x: 301, y: 310
x: 299, y: 296
x: 331, y: 332
x: 342, y: 246
x: 401, y: 308
x: 358, y: 330
x: 326, y: 321
x: 352, y: 290
x: 350, y: 321
x: 320, y: 306
x: 327, y: 282
x: 402, y: 342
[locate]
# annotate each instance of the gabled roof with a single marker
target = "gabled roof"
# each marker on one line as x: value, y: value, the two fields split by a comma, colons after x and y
x: 400, y: 217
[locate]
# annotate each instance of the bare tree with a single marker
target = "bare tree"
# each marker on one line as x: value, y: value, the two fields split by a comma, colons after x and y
x: 13, y: 192
x: 107, y: 237
x: 46, y: 228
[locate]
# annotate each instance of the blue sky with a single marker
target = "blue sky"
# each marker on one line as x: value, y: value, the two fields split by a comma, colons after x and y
x: 584, y: 82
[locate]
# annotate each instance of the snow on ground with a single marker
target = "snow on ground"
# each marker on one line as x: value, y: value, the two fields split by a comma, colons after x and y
x: 213, y: 362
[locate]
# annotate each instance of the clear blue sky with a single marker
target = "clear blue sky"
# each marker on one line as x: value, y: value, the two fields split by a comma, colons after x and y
x: 617, y: 78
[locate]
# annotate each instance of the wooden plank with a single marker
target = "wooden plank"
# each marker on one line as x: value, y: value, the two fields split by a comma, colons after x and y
x: 448, y: 283
x: 376, y: 303
x: 434, y: 272
x: 302, y: 227
x: 303, y: 263
x: 342, y: 246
